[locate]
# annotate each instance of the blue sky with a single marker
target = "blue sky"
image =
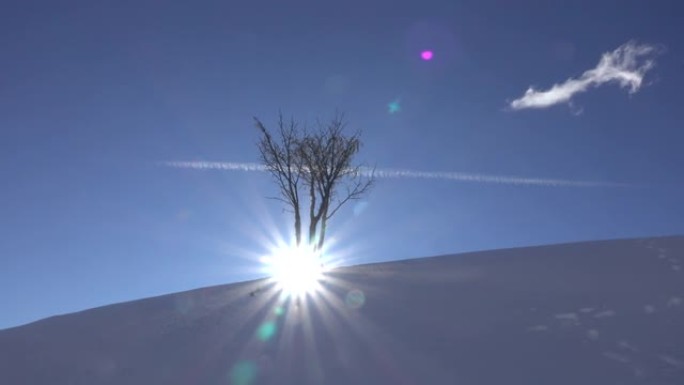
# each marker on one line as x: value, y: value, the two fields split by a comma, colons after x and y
x: 94, y: 94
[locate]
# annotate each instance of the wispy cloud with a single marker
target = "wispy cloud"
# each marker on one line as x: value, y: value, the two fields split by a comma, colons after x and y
x: 401, y: 173
x: 625, y: 66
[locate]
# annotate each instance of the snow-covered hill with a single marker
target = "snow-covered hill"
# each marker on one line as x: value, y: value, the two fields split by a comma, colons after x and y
x: 609, y: 312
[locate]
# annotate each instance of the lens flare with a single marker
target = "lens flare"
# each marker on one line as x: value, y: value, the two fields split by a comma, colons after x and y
x: 355, y: 299
x: 393, y: 107
x: 243, y: 373
x: 427, y: 55
x: 267, y: 330
x: 296, y: 270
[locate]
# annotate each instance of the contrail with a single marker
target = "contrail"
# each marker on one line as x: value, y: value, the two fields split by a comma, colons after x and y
x: 202, y: 165
x: 399, y: 173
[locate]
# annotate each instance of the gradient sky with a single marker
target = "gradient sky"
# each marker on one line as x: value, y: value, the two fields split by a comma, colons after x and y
x: 94, y: 94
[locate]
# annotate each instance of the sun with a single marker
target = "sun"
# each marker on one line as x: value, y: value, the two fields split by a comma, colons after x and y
x: 297, y: 270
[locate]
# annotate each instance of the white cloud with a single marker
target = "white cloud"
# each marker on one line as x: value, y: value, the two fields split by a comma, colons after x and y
x: 396, y: 173
x: 625, y: 66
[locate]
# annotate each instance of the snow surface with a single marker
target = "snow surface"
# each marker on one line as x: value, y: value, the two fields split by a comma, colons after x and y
x: 608, y: 312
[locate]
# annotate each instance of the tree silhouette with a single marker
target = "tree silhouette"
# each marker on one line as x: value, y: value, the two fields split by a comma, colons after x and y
x: 318, y: 164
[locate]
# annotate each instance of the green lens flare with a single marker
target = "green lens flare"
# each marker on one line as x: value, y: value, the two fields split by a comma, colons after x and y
x: 266, y: 331
x: 243, y: 373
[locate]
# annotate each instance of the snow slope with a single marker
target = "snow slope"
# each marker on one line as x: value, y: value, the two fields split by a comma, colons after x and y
x: 609, y: 312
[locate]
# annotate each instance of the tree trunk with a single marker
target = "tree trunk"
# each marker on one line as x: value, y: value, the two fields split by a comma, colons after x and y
x: 313, y: 226
x: 313, y: 220
x: 298, y: 226
x: 324, y: 224
x: 321, y: 235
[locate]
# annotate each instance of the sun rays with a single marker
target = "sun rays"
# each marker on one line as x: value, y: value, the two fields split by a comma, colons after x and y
x: 298, y: 313
x: 296, y: 270
x: 304, y: 311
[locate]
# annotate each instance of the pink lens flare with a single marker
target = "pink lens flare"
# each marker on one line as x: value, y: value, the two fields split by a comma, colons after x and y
x: 427, y: 55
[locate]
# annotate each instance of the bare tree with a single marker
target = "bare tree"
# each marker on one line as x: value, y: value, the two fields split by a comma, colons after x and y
x: 320, y: 161
x: 332, y: 179
x: 281, y: 157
